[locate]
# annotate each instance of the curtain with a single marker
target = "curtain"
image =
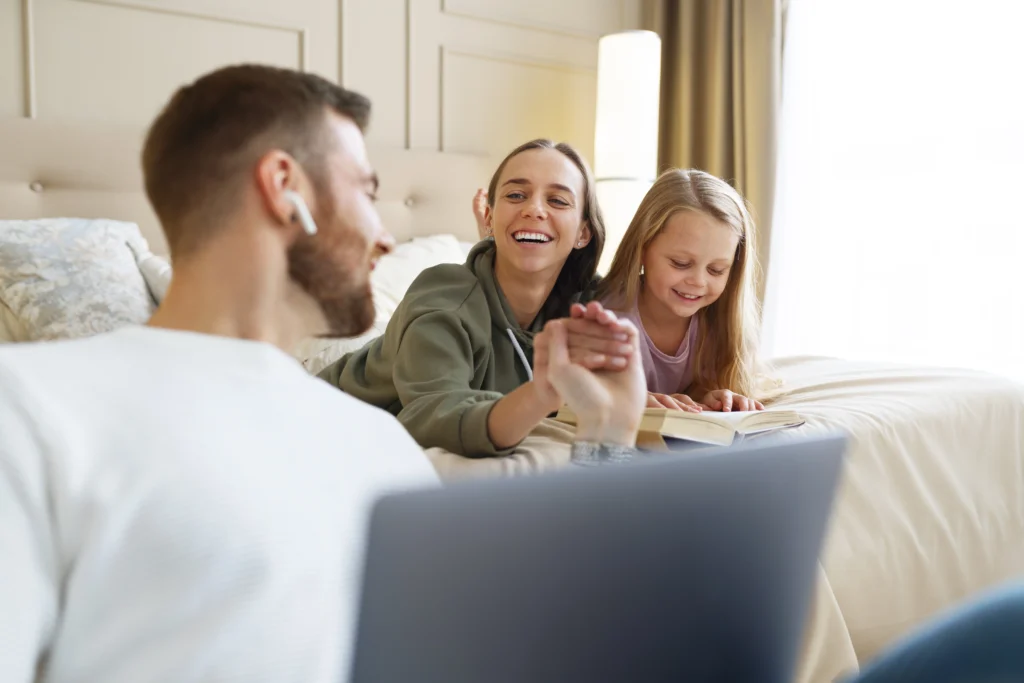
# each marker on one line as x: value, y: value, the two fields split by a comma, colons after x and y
x: 898, y: 230
x: 721, y: 66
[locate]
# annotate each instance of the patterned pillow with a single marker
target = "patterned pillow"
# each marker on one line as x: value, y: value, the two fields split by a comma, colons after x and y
x: 72, y: 277
x: 10, y: 327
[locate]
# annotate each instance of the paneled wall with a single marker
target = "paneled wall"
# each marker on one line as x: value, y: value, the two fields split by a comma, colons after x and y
x: 119, y: 60
x: 479, y: 75
x: 452, y: 75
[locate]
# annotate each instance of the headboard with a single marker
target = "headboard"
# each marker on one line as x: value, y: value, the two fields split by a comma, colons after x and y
x: 88, y: 170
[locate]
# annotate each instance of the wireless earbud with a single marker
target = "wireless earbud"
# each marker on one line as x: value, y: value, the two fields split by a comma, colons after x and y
x: 305, y: 218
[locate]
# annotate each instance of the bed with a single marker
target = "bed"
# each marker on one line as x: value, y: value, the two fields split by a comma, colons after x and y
x: 931, y: 509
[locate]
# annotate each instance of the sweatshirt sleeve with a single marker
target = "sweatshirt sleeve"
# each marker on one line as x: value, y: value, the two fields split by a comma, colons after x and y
x: 28, y: 594
x: 433, y: 371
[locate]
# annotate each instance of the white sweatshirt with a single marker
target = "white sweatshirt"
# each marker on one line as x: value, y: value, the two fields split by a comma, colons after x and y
x: 181, y: 507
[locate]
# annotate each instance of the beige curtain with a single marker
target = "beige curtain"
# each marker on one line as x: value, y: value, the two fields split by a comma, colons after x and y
x: 721, y: 87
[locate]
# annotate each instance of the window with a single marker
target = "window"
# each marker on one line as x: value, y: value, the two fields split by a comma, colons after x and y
x: 899, y: 226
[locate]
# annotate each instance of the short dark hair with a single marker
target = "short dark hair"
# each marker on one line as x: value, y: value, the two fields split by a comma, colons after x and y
x: 213, y: 130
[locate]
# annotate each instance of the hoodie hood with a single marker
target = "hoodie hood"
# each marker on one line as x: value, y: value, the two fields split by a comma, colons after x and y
x: 480, y: 262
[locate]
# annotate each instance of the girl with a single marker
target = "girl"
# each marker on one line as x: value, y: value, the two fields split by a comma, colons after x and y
x: 684, y: 274
x: 454, y: 364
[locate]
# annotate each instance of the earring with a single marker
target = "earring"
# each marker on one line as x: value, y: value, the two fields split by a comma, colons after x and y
x: 641, y: 269
x: 580, y: 243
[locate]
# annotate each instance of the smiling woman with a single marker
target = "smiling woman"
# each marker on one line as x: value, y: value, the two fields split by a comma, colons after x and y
x: 455, y: 363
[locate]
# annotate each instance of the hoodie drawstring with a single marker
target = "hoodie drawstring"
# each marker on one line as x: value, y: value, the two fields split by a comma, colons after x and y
x: 519, y: 350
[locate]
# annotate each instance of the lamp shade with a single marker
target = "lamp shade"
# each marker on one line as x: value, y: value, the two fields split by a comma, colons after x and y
x: 626, y: 128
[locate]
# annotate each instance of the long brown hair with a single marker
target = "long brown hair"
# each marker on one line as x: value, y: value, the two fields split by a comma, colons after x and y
x: 730, y: 327
x: 578, y: 271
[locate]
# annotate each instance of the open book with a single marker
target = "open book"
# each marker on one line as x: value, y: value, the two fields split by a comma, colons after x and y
x: 708, y: 427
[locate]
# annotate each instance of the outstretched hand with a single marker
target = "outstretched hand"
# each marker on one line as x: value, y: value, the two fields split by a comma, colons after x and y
x: 480, y: 212
x: 608, y: 404
x: 598, y: 340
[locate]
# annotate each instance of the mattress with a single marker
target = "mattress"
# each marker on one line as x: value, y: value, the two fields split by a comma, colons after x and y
x: 931, y: 508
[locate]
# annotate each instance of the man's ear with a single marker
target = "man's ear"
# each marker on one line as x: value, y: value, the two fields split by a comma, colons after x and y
x: 277, y: 173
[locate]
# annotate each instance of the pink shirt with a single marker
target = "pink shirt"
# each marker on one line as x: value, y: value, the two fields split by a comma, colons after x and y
x: 666, y: 374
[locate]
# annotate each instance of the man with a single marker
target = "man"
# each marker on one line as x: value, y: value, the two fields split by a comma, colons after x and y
x: 181, y: 501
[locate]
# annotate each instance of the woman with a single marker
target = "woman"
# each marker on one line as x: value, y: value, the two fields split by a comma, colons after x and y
x: 455, y: 363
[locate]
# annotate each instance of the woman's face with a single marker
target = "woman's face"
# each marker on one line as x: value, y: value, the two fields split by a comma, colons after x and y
x: 537, y: 217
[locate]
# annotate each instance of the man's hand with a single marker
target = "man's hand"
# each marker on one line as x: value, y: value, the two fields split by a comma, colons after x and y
x: 597, y: 338
x: 608, y: 404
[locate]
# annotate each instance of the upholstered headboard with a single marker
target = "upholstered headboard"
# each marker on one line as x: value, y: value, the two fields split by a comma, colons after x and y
x: 51, y: 169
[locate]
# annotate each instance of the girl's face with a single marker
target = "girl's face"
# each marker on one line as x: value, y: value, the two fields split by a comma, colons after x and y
x: 537, y: 215
x: 686, y: 267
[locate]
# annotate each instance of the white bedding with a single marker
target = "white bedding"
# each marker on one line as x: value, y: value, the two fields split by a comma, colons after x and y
x: 932, y: 505
x: 931, y: 508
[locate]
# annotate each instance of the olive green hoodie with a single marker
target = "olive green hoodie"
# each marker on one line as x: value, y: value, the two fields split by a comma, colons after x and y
x: 446, y: 357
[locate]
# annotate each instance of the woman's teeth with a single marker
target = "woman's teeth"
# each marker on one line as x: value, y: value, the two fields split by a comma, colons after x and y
x: 523, y: 236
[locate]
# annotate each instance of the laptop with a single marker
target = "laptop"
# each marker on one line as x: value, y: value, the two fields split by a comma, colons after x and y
x: 694, y: 568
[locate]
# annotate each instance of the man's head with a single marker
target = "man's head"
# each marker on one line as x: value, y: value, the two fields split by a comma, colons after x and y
x: 229, y: 146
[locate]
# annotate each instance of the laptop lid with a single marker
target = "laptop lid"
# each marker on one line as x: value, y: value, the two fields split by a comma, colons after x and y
x: 672, y: 568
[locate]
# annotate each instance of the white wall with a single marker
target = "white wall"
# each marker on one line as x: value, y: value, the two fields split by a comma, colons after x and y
x: 119, y: 60
x: 453, y: 75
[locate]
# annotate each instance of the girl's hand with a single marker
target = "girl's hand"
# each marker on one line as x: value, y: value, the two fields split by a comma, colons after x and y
x: 726, y: 401
x: 673, y: 402
x: 480, y: 212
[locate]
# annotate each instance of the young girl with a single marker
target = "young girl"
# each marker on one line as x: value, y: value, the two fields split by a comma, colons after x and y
x: 684, y: 274
x: 455, y: 363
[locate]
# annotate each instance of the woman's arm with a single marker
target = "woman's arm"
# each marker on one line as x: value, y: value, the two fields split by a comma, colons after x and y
x: 433, y: 375
x: 514, y: 416
x: 608, y: 404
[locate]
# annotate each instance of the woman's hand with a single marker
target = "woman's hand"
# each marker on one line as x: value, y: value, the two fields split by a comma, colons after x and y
x: 726, y: 401
x: 480, y: 213
x: 673, y: 402
x: 608, y: 405
x: 597, y: 339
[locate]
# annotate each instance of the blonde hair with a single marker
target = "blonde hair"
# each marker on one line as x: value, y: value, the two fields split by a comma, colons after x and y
x: 726, y: 354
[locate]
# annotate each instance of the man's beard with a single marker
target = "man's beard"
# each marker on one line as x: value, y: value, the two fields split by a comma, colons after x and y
x: 314, y: 264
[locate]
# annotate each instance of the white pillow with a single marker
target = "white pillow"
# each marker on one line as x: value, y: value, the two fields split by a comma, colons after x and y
x: 396, y: 271
x: 72, y: 277
x: 390, y: 281
x: 156, y: 270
